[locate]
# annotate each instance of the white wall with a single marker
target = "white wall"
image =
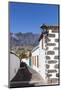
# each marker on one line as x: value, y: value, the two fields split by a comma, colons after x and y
x: 35, y: 53
x: 41, y: 53
x: 14, y: 65
x: 42, y: 60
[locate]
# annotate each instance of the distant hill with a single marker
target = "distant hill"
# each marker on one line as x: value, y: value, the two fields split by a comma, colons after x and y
x: 23, y: 39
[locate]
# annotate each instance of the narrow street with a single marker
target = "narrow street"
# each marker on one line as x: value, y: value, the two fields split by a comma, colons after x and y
x: 26, y: 76
x: 36, y: 77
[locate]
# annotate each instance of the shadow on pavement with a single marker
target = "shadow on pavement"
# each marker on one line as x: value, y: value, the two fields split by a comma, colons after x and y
x: 23, y: 76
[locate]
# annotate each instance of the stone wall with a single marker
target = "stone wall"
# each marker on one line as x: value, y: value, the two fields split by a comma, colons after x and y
x: 52, y: 56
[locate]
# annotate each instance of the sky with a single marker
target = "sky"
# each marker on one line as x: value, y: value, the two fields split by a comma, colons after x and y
x: 27, y: 17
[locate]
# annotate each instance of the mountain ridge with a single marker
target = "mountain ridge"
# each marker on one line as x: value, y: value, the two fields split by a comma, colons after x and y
x: 23, y: 39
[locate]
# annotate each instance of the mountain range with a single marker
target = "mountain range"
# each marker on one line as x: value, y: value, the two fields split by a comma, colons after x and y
x: 23, y: 39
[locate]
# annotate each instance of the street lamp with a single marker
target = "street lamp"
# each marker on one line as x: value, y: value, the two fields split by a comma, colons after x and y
x: 45, y: 34
x: 44, y: 28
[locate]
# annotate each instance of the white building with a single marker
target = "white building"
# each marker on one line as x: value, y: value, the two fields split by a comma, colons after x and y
x: 35, y: 58
x: 38, y: 58
x: 14, y: 65
x: 45, y: 56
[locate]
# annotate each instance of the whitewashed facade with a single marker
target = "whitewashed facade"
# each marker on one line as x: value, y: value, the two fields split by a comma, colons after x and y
x: 42, y: 60
x: 35, y: 58
x: 14, y: 65
x: 38, y: 60
x: 47, y: 51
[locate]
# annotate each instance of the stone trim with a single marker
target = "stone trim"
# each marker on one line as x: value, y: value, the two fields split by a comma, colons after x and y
x: 48, y: 40
x: 51, y: 44
x: 47, y: 66
x: 56, y: 57
x: 52, y: 61
x: 56, y: 66
x: 49, y: 75
x: 51, y: 35
x: 50, y: 53
x: 57, y: 75
x: 54, y: 31
x: 52, y: 71
x: 47, y: 57
x: 55, y: 48
x: 56, y: 40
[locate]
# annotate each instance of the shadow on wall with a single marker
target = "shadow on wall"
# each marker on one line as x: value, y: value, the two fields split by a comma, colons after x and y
x: 23, y: 76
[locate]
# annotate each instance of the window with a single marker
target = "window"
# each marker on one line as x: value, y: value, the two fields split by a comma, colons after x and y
x: 35, y: 60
